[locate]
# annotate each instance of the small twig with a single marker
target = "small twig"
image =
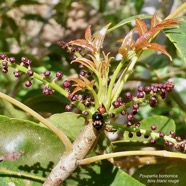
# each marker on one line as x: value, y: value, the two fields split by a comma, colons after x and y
x: 21, y: 174
x: 162, y: 153
x: 177, y: 11
x: 59, y: 133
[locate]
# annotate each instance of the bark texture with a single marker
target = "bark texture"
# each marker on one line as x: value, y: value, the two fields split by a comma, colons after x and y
x: 68, y: 163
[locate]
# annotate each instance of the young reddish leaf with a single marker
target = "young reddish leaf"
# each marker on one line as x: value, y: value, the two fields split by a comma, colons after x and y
x: 154, y: 21
x: 99, y: 38
x: 127, y: 43
x: 157, y: 47
x: 88, y: 35
x: 86, y: 62
x: 81, y: 84
x: 84, y: 44
x: 141, y: 26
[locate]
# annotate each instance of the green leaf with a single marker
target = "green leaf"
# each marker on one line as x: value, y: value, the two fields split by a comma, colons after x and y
x: 128, y: 20
x: 10, y: 111
x: 101, y: 174
x: 178, y: 37
x: 69, y: 122
x: 37, y: 101
x: 162, y: 174
x: 42, y: 148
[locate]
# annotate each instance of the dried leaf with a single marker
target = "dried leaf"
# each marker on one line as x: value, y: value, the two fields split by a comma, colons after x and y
x: 88, y: 35
x: 157, y: 47
x: 86, y: 62
x: 141, y: 26
x: 99, y: 38
x: 84, y: 44
x: 154, y: 21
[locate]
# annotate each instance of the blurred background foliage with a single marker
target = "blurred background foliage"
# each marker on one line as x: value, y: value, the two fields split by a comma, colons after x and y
x: 32, y: 28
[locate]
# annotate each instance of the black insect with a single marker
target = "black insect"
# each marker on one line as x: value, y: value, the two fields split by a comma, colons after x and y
x: 97, y: 120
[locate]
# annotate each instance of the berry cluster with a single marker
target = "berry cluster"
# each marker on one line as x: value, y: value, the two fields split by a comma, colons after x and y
x: 73, y: 50
x: 25, y: 62
x: 144, y: 94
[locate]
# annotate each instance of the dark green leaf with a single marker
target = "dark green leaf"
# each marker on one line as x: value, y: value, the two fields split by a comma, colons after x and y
x: 162, y: 174
x: 178, y: 37
x: 41, y: 148
x: 69, y: 122
x: 101, y: 174
x: 37, y: 101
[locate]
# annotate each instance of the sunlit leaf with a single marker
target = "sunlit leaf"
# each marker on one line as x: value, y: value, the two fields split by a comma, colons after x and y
x: 141, y: 26
x: 88, y: 35
x: 99, y: 38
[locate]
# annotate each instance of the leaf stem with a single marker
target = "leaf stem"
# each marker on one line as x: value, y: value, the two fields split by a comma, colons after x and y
x: 59, y: 133
x: 162, y: 153
x: 41, y: 78
x: 177, y: 11
x: 21, y: 174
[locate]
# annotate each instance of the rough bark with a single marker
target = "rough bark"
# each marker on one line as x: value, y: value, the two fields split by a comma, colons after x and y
x: 68, y: 163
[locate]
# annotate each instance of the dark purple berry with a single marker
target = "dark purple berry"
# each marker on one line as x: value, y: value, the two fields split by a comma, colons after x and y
x: 130, y: 135
x: 68, y: 107
x: 166, y: 143
x: 130, y: 117
x: 155, y: 89
x: 28, y: 83
x: 170, y: 144
x: 120, y: 99
x: 140, y: 94
x: 46, y: 73
x: 5, y: 70
x: 177, y: 147
x: 116, y: 104
x: 3, y: 56
x: 138, y: 134
x: 178, y: 138
x: 161, y: 134
x: 12, y: 60
x: 129, y: 95
x: 129, y: 124
x: 141, y: 88
x: 17, y: 73
x: 83, y: 73
x: 74, y: 98
x: 153, y: 141
x: 153, y: 101
x: 147, y: 89
x: 85, y: 113
x: 24, y: 60
x: 46, y: 91
x: 30, y: 72
x: 134, y: 111
x: 137, y: 125
x: 123, y: 112
x: 4, y: 63
x: 172, y: 133
x: 112, y: 115
x: 163, y: 95
x: 66, y: 84
x: 146, y: 136
x: 136, y: 106
x: 59, y: 75
x: 153, y: 127
x: 81, y: 66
